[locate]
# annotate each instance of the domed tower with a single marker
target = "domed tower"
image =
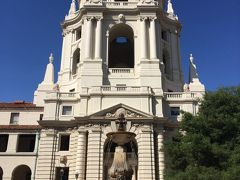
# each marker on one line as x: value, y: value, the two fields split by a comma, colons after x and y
x: 116, y: 54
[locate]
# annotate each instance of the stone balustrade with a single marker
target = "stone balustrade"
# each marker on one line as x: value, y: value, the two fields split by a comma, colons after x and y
x: 179, y: 96
x: 113, y: 71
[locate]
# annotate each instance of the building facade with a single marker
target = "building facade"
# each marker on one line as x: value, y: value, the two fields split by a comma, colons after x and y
x: 116, y: 55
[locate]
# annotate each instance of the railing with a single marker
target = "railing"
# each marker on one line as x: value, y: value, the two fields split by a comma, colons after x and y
x: 120, y: 89
x: 57, y: 95
x: 179, y: 96
x: 120, y: 4
x: 121, y: 70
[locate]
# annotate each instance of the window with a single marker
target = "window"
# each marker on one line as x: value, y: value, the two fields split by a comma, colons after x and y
x: 175, y: 111
x: 26, y: 143
x: 164, y: 35
x: 75, y: 61
x: 62, y: 173
x: 72, y: 90
x: 3, y: 142
x: 64, y: 142
x: 78, y: 34
x: 67, y: 110
x: 41, y: 117
x: 14, y: 118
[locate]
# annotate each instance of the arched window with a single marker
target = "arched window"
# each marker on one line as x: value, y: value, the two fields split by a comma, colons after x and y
x: 132, y: 156
x: 75, y: 61
x: 22, y: 172
x: 167, y: 63
x: 1, y: 173
x: 121, y: 47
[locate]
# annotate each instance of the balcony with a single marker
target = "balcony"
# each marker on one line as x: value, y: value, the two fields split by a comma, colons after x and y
x: 116, y: 71
x: 62, y: 96
x: 119, y: 90
x: 120, y: 4
x: 181, y: 96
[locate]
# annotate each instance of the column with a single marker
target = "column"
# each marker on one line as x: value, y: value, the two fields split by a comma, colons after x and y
x: 98, y: 36
x: 107, y: 45
x: 175, y: 56
x: 152, y: 39
x: 88, y: 45
x: 160, y: 139
x: 81, y: 154
x: 143, y: 38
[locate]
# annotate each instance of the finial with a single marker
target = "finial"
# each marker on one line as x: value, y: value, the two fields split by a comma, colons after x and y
x: 192, y: 69
x: 170, y: 7
x: 72, y: 9
x: 51, y: 58
x: 170, y: 11
x: 191, y: 57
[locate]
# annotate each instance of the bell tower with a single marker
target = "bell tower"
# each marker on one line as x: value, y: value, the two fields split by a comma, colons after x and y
x: 111, y: 43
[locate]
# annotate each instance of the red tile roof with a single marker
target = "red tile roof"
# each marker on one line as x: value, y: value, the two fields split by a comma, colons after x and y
x: 18, y: 104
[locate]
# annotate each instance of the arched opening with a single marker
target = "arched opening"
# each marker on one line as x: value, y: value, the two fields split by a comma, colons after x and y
x: 167, y: 64
x: 22, y: 172
x: 132, y: 157
x: 1, y: 173
x: 75, y: 61
x: 121, y: 47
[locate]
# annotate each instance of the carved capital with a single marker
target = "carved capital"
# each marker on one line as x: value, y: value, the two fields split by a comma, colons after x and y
x: 152, y: 18
x: 143, y: 18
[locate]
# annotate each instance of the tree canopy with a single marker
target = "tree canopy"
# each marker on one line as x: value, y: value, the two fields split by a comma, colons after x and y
x: 207, y: 146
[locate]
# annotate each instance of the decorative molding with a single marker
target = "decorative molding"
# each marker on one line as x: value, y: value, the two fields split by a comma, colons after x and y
x: 128, y: 114
x: 121, y: 18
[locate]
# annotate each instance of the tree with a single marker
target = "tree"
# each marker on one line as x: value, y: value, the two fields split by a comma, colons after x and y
x: 207, y: 146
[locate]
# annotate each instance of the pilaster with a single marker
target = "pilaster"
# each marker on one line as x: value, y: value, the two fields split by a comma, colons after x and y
x: 98, y: 36
x: 88, y: 38
x: 81, y: 153
x: 94, y: 156
x: 152, y: 38
x: 143, y: 37
x: 160, y: 153
x: 146, y: 160
x: 175, y: 57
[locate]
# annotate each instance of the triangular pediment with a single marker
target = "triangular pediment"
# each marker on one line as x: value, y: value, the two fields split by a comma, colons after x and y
x: 110, y: 113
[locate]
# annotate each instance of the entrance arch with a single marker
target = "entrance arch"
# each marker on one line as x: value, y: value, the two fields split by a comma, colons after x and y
x: 132, y: 156
x: 22, y: 172
x: 1, y: 173
x: 121, y: 47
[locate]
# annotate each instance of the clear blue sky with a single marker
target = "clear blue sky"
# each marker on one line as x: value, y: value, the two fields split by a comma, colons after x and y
x: 30, y: 30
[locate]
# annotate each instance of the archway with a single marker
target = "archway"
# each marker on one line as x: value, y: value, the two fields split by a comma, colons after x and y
x: 22, y: 172
x: 167, y: 63
x: 1, y: 173
x: 132, y: 156
x: 75, y: 61
x: 121, y: 47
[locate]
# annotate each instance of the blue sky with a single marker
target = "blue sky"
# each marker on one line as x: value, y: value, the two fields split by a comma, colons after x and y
x: 30, y: 30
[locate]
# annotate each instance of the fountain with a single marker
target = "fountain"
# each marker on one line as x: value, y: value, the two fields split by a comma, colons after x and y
x: 120, y: 169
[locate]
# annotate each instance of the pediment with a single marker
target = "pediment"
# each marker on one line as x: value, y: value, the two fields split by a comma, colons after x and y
x: 111, y: 113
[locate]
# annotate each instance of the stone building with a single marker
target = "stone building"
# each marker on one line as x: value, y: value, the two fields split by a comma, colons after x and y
x: 116, y: 56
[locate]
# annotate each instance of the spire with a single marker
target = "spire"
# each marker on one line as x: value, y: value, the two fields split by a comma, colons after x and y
x: 170, y: 7
x: 192, y: 70
x: 72, y: 9
x: 49, y: 74
x: 170, y: 11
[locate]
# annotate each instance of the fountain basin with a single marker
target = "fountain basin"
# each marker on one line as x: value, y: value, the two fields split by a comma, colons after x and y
x: 121, y: 137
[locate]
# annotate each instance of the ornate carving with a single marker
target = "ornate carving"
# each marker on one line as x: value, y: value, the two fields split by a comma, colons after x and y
x: 121, y: 18
x: 127, y: 113
x: 66, y: 31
